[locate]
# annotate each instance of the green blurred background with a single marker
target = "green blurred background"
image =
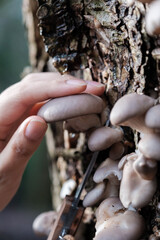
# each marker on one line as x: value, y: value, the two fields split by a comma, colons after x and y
x: 33, y: 196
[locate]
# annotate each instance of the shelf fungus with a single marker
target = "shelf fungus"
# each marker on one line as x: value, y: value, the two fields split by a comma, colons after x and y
x: 133, y: 185
x: 114, y: 222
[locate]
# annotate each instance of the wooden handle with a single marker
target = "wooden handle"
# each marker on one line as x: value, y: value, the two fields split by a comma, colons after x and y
x: 62, y: 218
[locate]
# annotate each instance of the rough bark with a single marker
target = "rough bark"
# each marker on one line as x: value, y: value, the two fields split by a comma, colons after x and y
x: 107, y: 42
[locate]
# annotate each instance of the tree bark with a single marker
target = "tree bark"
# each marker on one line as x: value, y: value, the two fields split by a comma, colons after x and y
x: 103, y: 41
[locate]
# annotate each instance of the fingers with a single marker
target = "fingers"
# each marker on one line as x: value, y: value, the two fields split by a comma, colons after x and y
x: 16, y: 154
x: 95, y: 88
x: 35, y: 88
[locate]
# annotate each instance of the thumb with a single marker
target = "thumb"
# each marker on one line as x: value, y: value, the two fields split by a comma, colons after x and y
x: 14, y: 157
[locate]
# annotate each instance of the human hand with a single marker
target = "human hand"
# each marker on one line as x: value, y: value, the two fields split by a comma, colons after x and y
x: 20, y: 130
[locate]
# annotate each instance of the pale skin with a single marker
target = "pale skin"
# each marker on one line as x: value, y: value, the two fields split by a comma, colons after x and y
x: 21, y: 130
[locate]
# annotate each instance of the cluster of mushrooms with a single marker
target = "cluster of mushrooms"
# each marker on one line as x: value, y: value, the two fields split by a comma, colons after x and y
x: 123, y: 184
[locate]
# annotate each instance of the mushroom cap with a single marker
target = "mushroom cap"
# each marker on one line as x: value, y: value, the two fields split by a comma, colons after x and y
x: 132, y: 186
x: 68, y: 188
x: 67, y: 107
x: 109, y: 208
x: 82, y: 123
x: 116, y: 151
x: 94, y: 195
x: 152, y: 117
x: 102, y: 138
x: 130, y: 106
x: 146, y: 168
x: 108, y: 170
x: 149, y: 145
x: 153, y: 18
x: 44, y: 222
x: 127, y: 226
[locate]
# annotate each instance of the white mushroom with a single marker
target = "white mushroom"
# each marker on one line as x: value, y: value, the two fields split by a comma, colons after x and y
x: 68, y: 188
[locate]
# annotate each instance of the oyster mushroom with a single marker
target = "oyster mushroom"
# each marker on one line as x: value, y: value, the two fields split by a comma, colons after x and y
x: 149, y: 146
x: 43, y: 224
x: 133, y: 185
x: 129, y: 111
x: 108, y: 170
x: 153, y: 18
x: 82, y: 123
x: 146, y: 168
x: 94, y: 196
x: 152, y: 118
x: 116, y: 151
x: 102, y: 138
x: 63, y: 108
x: 113, y: 222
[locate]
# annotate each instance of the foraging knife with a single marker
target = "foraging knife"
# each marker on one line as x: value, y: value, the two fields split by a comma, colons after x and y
x: 71, y: 210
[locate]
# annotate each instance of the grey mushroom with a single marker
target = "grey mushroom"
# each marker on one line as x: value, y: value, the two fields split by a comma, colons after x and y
x: 116, y: 151
x: 149, y: 146
x: 102, y: 138
x: 152, y: 118
x: 129, y: 111
x: 82, y: 123
x: 108, y: 170
x: 63, y: 108
x: 133, y: 185
x: 43, y: 224
x: 146, y: 168
x: 94, y: 196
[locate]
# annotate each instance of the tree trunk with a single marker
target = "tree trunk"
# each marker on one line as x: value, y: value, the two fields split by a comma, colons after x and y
x: 103, y: 41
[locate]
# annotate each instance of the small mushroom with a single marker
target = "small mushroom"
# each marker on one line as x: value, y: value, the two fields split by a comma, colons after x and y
x: 116, y: 151
x: 94, y: 196
x: 68, y: 188
x: 108, y: 170
x: 102, y: 138
x: 129, y: 111
x: 153, y: 18
x: 149, y: 146
x: 63, y: 108
x: 43, y: 224
x: 146, y: 168
x: 152, y: 118
x: 82, y: 123
x: 133, y: 185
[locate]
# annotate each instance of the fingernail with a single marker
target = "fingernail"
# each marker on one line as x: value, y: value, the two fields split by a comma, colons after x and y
x: 76, y: 82
x: 35, y: 130
x: 95, y: 84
